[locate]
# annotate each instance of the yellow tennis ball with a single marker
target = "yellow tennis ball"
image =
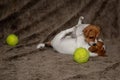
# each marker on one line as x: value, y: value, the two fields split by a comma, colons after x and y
x: 12, y: 40
x: 81, y: 55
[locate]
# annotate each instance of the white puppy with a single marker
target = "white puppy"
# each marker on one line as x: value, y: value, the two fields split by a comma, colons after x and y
x: 68, y: 44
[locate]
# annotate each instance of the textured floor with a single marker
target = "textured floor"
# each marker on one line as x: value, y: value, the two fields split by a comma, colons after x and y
x: 37, y: 21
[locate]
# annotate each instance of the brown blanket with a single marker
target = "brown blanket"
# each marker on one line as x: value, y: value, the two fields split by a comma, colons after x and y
x: 37, y: 21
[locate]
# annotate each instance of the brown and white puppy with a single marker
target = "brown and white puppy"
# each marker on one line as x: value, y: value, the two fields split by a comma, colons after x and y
x: 98, y: 48
x: 83, y: 35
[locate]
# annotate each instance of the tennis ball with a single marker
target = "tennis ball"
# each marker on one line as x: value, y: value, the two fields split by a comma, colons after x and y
x: 12, y: 40
x: 81, y: 55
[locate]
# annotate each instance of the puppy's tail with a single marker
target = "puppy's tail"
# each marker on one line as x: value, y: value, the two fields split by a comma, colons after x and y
x: 43, y: 45
x: 80, y: 20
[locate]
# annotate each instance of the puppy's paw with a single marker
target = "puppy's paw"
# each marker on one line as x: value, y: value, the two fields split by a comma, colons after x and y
x: 93, y: 54
x: 81, y: 17
x: 40, y: 46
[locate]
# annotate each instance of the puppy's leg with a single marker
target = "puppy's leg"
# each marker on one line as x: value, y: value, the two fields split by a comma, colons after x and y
x: 103, y: 43
x: 80, y: 20
x: 62, y: 34
x: 43, y: 45
x: 93, y: 54
x: 56, y: 39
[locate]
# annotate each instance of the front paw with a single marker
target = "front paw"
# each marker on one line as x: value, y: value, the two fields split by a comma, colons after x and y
x: 93, y: 54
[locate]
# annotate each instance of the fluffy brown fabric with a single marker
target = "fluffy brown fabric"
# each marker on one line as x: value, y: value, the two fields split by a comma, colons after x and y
x: 37, y: 21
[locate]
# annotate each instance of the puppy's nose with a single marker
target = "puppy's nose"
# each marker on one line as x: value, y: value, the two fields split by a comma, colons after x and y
x: 94, y: 44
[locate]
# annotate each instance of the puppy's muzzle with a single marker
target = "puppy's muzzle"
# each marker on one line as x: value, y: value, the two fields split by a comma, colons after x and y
x: 93, y: 43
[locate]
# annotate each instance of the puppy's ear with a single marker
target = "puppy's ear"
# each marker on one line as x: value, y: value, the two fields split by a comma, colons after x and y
x: 96, y: 29
x: 92, y: 48
x: 86, y: 31
x: 100, y: 43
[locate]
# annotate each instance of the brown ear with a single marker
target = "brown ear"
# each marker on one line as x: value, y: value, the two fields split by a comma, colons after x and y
x: 100, y: 44
x: 86, y: 31
x: 92, y: 48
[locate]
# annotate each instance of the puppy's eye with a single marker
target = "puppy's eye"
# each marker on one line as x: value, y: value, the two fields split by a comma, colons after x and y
x: 91, y: 37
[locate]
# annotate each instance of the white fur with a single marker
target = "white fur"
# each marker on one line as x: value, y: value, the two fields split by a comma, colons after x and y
x: 40, y: 45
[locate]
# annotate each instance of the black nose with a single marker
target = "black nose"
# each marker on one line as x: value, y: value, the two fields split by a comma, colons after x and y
x: 94, y: 44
